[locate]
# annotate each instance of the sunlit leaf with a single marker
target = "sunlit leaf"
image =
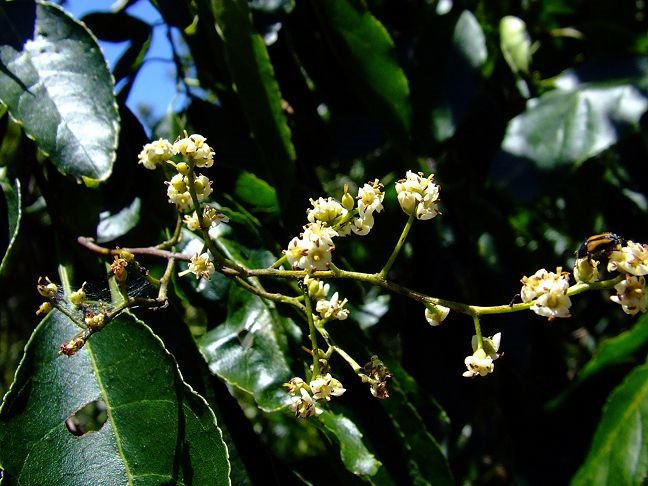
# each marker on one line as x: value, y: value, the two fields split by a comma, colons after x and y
x: 158, y: 430
x: 258, y: 90
x: 355, y: 455
x: 248, y: 350
x: 112, y: 226
x: 12, y: 196
x: 619, y: 452
x: 56, y: 83
x: 366, y: 50
x: 568, y: 127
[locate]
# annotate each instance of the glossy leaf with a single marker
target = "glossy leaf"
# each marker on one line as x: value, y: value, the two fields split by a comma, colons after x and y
x: 427, y: 463
x: 355, y: 455
x: 158, y: 429
x: 568, y: 127
x: 619, y: 452
x: 56, y: 83
x: 12, y: 196
x: 366, y: 51
x: 248, y: 350
x: 112, y: 226
x: 258, y: 91
x: 459, y: 82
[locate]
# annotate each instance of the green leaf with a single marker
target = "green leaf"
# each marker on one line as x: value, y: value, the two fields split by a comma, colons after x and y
x: 258, y: 91
x: 158, y: 429
x: 249, y: 349
x: 569, y: 127
x: 619, y: 452
x: 460, y: 79
x: 355, y: 455
x: 256, y: 192
x: 11, y: 191
x: 366, y: 51
x: 56, y: 83
x: 619, y: 349
x: 427, y: 463
x: 112, y: 226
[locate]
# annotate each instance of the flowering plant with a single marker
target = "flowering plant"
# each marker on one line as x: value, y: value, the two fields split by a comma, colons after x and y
x: 332, y: 266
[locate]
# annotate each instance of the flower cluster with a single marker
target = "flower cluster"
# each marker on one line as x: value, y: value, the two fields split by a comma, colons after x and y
x: 305, y: 396
x: 327, y: 310
x: 192, y: 147
x: 211, y: 218
x: 481, y: 361
x: 418, y: 195
x: 195, y: 152
x: 548, y: 291
x: 631, y: 260
x: 330, y: 218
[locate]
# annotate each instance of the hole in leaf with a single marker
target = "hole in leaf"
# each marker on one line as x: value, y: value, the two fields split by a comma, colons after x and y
x: 89, y: 418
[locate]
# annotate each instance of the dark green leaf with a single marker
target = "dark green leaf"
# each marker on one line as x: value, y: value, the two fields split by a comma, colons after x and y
x: 459, y: 84
x: 249, y: 349
x: 426, y: 460
x: 354, y: 453
x: 112, y: 226
x: 258, y: 90
x: 366, y: 51
x: 158, y: 429
x: 621, y: 349
x: 619, y: 452
x: 56, y: 83
x: 618, y: 349
x: 11, y: 191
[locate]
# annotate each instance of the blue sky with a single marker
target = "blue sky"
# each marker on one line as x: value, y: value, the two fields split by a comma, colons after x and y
x: 155, y: 85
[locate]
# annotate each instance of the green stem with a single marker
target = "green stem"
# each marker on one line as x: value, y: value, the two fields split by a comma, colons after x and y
x: 399, y: 245
x: 313, y: 333
x: 480, y: 341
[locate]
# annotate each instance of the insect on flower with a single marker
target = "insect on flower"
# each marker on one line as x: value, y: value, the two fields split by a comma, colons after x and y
x: 596, y: 244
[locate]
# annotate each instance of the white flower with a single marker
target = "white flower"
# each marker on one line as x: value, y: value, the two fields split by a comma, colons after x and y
x: 304, y: 406
x: 326, y: 210
x: 478, y: 364
x: 370, y: 198
x: 194, y: 147
x: 631, y: 294
x: 312, y: 250
x: 201, y: 266
x: 549, y: 290
x: 317, y: 290
x: 436, y: 314
x: 418, y: 195
x: 324, y: 387
x: 332, y: 309
x: 202, y: 184
x: 586, y: 270
x: 481, y: 361
x: 361, y: 226
x: 632, y: 259
x: 155, y: 153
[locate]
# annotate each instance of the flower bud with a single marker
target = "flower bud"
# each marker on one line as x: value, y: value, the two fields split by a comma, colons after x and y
x: 348, y: 202
x: 47, y: 288
x: 77, y: 298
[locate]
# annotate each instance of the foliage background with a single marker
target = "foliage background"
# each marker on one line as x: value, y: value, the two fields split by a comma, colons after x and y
x: 530, y: 164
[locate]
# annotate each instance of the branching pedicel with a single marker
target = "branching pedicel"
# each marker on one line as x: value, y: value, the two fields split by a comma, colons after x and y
x: 309, y: 257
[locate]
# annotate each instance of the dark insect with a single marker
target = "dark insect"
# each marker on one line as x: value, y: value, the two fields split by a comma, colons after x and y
x: 596, y: 244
